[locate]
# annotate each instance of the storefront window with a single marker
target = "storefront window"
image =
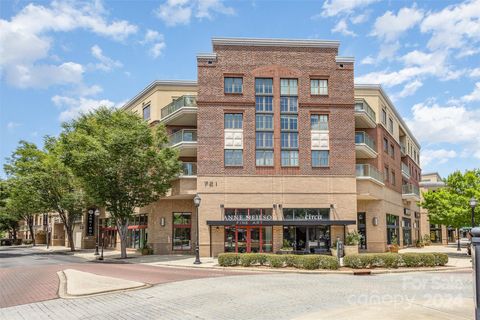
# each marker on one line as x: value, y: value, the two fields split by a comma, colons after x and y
x: 407, y: 232
x: 435, y: 233
x: 243, y: 239
x: 392, y: 228
x: 182, y: 227
x: 362, y: 229
x: 307, y: 239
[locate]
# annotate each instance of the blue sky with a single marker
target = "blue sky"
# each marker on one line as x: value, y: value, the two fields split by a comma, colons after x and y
x: 61, y: 58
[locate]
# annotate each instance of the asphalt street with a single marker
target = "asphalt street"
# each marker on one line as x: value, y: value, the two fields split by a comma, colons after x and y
x: 13, y: 257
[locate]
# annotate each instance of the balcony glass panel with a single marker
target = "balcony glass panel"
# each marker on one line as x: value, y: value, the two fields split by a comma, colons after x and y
x: 189, y: 169
x: 368, y: 171
x: 185, y: 135
x: 362, y: 138
x: 405, y: 169
x: 363, y: 107
x: 410, y: 189
x: 183, y: 101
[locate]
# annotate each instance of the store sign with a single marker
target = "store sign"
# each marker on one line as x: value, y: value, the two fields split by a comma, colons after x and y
x: 90, y: 222
x: 249, y: 219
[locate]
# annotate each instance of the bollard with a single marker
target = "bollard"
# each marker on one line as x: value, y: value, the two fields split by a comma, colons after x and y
x: 476, y: 269
x: 340, y: 251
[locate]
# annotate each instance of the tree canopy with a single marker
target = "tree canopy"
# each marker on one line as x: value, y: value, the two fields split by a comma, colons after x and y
x: 450, y: 205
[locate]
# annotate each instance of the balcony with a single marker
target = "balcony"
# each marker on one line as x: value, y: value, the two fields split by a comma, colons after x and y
x: 405, y: 171
x: 185, y: 141
x: 365, y: 117
x: 403, y: 150
x: 410, y: 192
x: 364, y: 146
x: 369, y: 182
x: 189, y: 169
x: 180, y: 112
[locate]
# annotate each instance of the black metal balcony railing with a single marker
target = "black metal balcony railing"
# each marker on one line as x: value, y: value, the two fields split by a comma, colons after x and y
x: 184, y: 135
x: 183, y: 101
x: 364, y: 107
x: 362, y: 137
x: 410, y: 189
x: 368, y: 171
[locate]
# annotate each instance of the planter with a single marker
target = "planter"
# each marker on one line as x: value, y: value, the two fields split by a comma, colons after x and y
x: 146, y: 251
x: 349, y: 250
x: 334, y: 252
x: 393, y: 248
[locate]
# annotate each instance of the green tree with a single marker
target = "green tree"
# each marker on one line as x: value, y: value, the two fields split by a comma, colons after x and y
x: 54, y: 183
x: 122, y: 162
x: 8, y: 221
x: 450, y: 205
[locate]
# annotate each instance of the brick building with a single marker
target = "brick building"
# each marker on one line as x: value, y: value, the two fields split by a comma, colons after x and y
x: 284, y: 151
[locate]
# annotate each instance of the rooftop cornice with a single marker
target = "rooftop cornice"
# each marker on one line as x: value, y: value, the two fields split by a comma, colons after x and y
x: 345, y: 59
x: 269, y: 42
x: 172, y: 83
x: 207, y: 55
x: 379, y: 87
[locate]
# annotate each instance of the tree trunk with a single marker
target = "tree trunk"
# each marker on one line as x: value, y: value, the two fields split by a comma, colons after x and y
x: 122, y: 227
x: 70, y: 237
x: 30, y: 227
x: 14, y: 233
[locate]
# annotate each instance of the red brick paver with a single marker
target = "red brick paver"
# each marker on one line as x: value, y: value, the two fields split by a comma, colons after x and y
x: 32, y: 284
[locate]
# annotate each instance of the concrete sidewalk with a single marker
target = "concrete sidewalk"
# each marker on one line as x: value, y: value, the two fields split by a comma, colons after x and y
x: 456, y: 259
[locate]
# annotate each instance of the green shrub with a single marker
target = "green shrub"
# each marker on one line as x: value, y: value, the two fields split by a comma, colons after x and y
x: 358, y: 261
x: 248, y: 259
x: 275, y: 261
x: 427, y: 259
x: 309, y: 262
x: 228, y: 259
x: 441, y: 259
x: 411, y: 259
x: 291, y: 260
x: 261, y: 258
x: 391, y: 260
x: 328, y: 262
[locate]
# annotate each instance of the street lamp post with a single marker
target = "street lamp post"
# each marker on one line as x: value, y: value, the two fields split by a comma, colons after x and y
x: 473, y: 204
x: 97, y: 214
x: 103, y: 240
x: 458, y: 240
x: 197, y: 201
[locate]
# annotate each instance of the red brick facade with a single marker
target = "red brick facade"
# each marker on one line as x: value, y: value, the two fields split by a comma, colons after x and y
x: 275, y: 62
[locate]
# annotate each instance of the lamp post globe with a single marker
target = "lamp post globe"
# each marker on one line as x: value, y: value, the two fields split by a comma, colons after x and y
x: 196, y: 201
x: 97, y: 214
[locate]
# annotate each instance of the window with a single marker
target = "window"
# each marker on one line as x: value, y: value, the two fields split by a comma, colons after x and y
x: 289, y: 158
x: 233, y: 120
x: 264, y: 122
x: 385, y: 173
x: 320, y: 158
x: 289, y: 140
x: 182, y: 231
x: 390, y: 125
x: 288, y: 87
x: 392, y: 151
x: 385, y: 145
x: 289, y: 122
x: 264, y: 158
x: 233, y: 157
x: 289, y: 104
x: 146, y: 113
x: 384, y: 117
x: 233, y: 85
x: 264, y: 104
x: 319, y: 87
x: 264, y: 140
x: 392, y: 229
x: 319, y: 122
x: 263, y: 86
x: 392, y: 180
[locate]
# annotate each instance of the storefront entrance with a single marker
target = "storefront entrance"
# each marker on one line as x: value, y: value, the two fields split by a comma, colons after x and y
x: 244, y: 239
x: 307, y: 239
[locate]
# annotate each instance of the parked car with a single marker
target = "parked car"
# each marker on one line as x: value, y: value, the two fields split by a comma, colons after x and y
x: 6, y: 242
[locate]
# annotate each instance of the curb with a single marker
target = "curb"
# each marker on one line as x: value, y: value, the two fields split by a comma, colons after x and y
x: 62, y: 289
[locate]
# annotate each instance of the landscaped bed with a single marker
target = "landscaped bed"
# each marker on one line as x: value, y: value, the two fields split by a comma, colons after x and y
x: 315, y: 262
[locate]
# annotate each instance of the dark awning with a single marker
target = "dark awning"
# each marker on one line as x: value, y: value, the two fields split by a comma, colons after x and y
x: 283, y: 223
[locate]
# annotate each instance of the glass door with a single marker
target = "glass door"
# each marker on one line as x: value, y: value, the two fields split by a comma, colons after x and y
x: 242, y: 240
x: 254, y: 239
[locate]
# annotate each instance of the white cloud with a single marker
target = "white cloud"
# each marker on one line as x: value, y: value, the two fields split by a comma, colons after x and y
x: 454, y: 26
x: 368, y: 60
x: 437, y: 156
x: 332, y: 8
x: 105, y: 63
x: 156, y: 40
x: 342, y: 27
x: 418, y: 65
x: 388, y: 51
x: 74, y: 107
x: 474, y: 96
x: 11, y: 126
x: 177, y: 12
x: 390, y: 26
x: 456, y: 125
x: 360, y: 18
x: 409, y: 89
x: 475, y: 73
x: 26, y: 40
